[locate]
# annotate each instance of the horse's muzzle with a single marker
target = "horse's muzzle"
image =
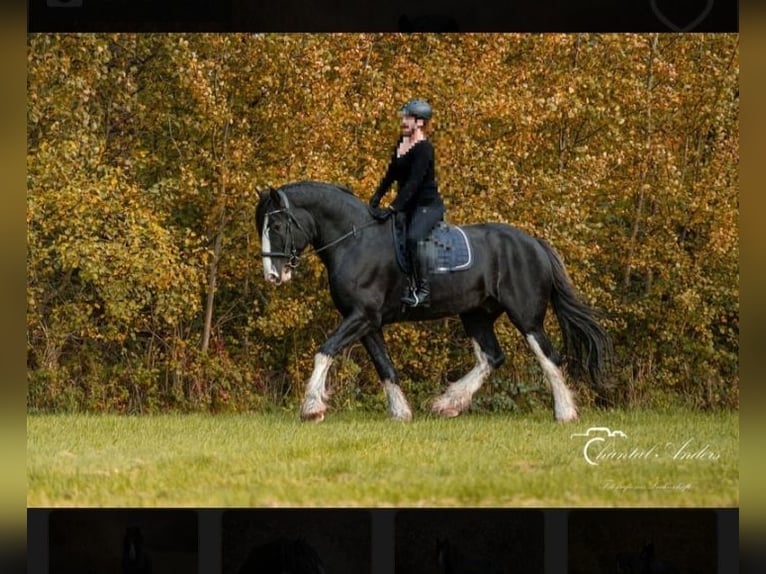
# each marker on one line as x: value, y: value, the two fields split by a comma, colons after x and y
x: 276, y: 278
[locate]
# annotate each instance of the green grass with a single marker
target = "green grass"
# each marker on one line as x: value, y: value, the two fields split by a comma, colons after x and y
x: 362, y: 459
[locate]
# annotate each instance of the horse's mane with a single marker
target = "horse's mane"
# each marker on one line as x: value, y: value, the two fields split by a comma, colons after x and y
x: 318, y: 185
x: 343, y: 194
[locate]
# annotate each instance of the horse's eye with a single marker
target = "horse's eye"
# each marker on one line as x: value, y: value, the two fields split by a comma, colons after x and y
x: 276, y: 227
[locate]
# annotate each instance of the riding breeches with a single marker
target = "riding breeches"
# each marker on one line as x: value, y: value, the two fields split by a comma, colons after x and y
x: 420, y: 222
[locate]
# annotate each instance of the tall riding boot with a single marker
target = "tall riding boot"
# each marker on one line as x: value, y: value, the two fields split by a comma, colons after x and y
x: 420, y: 296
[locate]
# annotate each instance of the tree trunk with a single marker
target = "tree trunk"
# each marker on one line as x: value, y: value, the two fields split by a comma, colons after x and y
x: 640, y: 204
x: 212, y: 279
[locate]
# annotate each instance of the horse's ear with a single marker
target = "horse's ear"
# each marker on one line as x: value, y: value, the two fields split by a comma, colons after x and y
x: 274, y: 194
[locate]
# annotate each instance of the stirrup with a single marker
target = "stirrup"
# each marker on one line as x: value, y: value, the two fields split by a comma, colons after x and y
x: 409, y: 297
x: 412, y: 300
x: 417, y: 298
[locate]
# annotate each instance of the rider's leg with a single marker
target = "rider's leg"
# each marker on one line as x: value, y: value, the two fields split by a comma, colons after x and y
x: 421, y: 223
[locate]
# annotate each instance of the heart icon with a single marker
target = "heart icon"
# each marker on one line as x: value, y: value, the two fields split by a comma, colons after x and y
x: 693, y: 23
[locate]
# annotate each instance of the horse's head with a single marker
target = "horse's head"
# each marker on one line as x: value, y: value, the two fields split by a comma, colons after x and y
x: 282, y: 236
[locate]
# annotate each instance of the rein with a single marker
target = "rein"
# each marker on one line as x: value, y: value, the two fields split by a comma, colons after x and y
x: 293, y: 258
x: 340, y: 239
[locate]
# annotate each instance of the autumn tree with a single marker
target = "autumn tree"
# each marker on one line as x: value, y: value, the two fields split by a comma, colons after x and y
x: 146, y: 154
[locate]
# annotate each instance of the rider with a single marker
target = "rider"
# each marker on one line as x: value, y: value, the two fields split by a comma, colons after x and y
x: 412, y: 167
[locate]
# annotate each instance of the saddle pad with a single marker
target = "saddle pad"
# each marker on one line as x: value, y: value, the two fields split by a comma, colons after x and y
x: 446, y: 249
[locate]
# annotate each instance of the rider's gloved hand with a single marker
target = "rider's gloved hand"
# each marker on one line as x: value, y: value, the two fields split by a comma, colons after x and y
x: 379, y: 213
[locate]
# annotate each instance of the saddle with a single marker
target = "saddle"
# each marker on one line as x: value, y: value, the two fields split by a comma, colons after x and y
x: 445, y: 250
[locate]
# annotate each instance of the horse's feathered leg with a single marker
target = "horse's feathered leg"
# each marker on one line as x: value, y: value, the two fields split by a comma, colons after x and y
x: 354, y: 326
x: 526, y: 303
x: 398, y: 407
x: 563, y: 402
x: 479, y: 325
x: 457, y: 397
x: 314, y: 406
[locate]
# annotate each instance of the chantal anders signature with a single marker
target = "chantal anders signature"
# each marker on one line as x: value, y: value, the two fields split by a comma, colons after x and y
x: 604, y: 444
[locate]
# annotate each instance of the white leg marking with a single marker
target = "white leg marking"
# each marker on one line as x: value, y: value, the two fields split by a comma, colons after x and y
x: 314, y: 406
x: 457, y: 397
x: 398, y: 407
x: 563, y: 402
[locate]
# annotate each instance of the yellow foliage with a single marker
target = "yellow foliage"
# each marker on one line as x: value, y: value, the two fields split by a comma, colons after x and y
x: 145, y: 155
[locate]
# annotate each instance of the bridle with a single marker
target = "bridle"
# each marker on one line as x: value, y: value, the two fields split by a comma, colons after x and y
x: 291, y: 253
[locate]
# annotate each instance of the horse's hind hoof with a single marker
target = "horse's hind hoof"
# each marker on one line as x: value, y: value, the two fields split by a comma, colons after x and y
x: 448, y: 406
x: 402, y: 418
x: 447, y: 412
x: 567, y: 417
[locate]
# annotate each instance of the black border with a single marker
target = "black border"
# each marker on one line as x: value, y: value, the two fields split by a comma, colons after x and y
x: 621, y: 16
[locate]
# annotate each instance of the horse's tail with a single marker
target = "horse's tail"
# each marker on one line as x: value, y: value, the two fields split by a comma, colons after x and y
x: 585, y: 340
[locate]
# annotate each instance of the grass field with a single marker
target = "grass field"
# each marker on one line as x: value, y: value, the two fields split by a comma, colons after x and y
x: 674, y: 458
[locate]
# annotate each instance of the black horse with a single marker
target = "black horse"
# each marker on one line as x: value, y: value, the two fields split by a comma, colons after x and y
x: 513, y: 273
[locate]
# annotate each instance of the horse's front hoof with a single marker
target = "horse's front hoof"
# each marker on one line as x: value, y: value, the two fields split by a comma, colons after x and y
x: 313, y: 409
x: 313, y: 417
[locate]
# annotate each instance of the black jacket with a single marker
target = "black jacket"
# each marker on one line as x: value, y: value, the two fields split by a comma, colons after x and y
x: 416, y: 178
